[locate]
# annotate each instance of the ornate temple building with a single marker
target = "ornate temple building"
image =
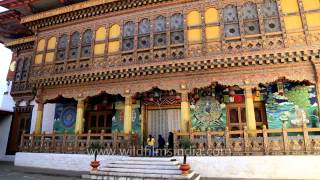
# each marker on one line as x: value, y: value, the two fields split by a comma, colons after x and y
x: 158, y: 66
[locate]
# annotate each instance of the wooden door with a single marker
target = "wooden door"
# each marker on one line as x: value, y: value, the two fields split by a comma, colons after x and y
x: 236, y: 115
x: 21, y: 122
x: 98, y: 121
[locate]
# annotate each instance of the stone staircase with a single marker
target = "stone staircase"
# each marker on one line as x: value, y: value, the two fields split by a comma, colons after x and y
x: 136, y: 168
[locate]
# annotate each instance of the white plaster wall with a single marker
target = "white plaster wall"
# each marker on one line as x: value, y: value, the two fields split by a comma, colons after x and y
x: 7, y: 100
x: 72, y: 162
x: 48, y: 117
x: 5, y: 123
x: 251, y: 167
x: 266, y: 167
x: 34, y: 115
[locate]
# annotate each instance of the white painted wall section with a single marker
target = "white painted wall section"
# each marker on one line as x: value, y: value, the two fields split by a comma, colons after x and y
x: 48, y: 118
x: 34, y: 115
x: 7, y: 100
x: 251, y: 167
x: 5, y: 123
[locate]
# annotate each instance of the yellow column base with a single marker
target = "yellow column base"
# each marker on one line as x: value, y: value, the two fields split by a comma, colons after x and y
x: 185, y: 113
x: 79, y: 124
x: 250, y: 115
x: 127, y: 127
x: 38, y: 127
x: 39, y: 117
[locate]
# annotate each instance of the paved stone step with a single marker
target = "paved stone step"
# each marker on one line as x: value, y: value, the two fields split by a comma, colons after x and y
x: 145, y: 162
x: 155, y: 159
x: 195, y: 177
x: 131, y: 176
x: 143, y: 171
x: 138, y: 166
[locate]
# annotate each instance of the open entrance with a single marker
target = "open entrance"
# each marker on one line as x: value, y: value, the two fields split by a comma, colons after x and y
x: 21, y: 123
x: 100, y: 111
x: 161, y: 112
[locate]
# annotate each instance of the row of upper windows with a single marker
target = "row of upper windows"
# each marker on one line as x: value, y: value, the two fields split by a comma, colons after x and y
x: 82, y: 45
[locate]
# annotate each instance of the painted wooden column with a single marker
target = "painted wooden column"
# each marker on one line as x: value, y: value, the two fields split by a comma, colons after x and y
x: 127, y: 128
x: 316, y: 65
x: 250, y: 115
x: 318, y: 94
x: 185, y: 109
x: 79, y: 120
x: 143, y: 120
x: 39, y: 118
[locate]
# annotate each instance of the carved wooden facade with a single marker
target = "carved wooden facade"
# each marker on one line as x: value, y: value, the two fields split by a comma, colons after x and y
x: 158, y: 45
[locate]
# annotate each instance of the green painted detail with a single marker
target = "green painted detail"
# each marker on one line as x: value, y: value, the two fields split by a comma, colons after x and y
x: 293, y: 108
x: 208, y: 114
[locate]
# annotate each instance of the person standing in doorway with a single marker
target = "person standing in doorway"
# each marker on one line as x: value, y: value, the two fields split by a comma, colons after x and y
x: 170, y: 144
x: 150, y: 145
x: 161, y: 144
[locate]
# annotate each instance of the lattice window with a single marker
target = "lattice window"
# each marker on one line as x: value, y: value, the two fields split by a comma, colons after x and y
x: 312, y: 12
x: 144, y: 34
x: 212, y: 24
x: 160, y: 38
x: 231, y: 21
x: 271, y: 16
x: 25, y: 69
x: 250, y: 18
x: 128, y: 36
x: 99, y: 47
x: 177, y: 29
x: 40, y: 51
x: 86, y: 44
x: 194, y: 27
x: 19, y: 70
x: 62, y: 46
x: 74, y: 45
x: 22, y: 69
x: 114, y: 39
x: 51, y: 46
x: 292, y: 19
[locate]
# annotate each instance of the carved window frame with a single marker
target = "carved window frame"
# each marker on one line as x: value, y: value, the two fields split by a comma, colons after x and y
x: 144, y: 36
x: 176, y: 32
x: 86, y: 45
x: 235, y: 23
x: 62, y: 49
x: 74, y: 46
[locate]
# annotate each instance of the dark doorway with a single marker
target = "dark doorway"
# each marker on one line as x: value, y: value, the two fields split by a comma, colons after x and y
x: 21, y: 122
x: 99, y: 112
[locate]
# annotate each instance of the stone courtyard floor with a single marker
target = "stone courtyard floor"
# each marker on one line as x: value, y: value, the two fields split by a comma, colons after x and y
x: 9, y: 172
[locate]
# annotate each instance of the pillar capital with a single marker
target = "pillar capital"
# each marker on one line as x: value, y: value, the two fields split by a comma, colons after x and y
x: 80, y: 103
x: 39, y: 96
x: 247, y: 84
x: 127, y: 93
x: 40, y: 106
x: 184, y: 96
x: 183, y: 87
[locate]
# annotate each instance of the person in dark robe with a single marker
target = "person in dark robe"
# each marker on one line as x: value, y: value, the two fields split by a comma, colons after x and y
x: 170, y: 144
x: 161, y: 144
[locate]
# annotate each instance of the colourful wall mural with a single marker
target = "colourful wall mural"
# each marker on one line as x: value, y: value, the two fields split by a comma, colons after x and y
x: 118, y: 118
x: 117, y: 121
x: 208, y: 114
x: 65, y: 117
x: 291, y: 104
